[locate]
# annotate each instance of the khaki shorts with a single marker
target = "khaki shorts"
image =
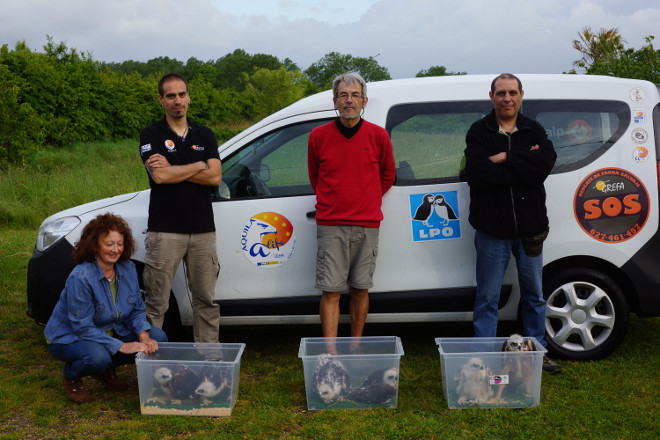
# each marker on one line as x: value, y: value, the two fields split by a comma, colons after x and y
x: 346, y: 256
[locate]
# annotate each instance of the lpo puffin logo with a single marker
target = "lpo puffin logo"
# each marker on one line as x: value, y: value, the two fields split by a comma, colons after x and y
x: 611, y: 205
x: 268, y: 239
x: 435, y: 216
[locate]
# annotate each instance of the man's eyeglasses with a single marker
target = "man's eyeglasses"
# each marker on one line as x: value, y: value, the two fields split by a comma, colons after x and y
x: 354, y: 96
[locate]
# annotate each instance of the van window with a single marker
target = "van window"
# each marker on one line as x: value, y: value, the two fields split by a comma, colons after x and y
x: 581, y: 131
x: 274, y: 165
x: 429, y: 138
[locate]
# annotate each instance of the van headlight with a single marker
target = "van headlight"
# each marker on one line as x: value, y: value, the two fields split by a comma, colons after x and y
x: 50, y: 232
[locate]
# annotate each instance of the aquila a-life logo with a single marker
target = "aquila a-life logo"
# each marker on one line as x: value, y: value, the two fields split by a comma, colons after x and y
x: 611, y: 205
x: 268, y: 239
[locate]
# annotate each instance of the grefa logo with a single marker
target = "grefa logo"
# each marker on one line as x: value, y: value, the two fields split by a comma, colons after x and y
x: 611, y: 205
x: 605, y: 187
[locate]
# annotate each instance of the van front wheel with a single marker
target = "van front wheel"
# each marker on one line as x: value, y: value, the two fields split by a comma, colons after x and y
x: 587, y: 314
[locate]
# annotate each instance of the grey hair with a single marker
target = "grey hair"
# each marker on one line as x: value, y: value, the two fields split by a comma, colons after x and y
x: 348, y: 78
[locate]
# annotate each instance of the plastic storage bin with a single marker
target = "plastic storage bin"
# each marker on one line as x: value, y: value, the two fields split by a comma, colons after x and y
x: 477, y: 372
x: 363, y: 374
x: 192, y: 379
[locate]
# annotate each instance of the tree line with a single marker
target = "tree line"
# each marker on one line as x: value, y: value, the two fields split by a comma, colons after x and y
x: 60, y: 96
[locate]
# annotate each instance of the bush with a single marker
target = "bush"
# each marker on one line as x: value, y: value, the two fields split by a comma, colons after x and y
x: 22, y: 128
x: 59, y: 97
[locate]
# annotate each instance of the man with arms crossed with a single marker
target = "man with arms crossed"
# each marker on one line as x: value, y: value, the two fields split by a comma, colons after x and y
x: 508, y: 157
x: 181, y: 158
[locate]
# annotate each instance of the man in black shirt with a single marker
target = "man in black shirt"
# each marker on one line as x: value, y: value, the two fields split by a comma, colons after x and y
x: 508, y: 158
x: 182, y: 161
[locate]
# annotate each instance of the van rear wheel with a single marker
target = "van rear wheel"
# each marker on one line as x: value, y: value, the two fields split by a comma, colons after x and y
x: 587, y: 314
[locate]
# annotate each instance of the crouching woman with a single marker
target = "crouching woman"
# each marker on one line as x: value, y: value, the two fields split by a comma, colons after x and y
x: 99, y: 321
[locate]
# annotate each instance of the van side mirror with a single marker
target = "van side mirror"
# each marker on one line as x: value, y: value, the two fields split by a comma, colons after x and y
x: 221, y: 192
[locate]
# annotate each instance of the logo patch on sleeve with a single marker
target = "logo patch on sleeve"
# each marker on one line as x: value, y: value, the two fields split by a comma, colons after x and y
x: 145, y: 148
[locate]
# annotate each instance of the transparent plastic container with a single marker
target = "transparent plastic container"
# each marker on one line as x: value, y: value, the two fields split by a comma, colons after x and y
x: 364, y: 372
x: 194, y: 379
x: 477, y: 372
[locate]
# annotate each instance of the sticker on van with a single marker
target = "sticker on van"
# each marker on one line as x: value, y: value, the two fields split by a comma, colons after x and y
x: 640, y: 154
x: 637, y: 94
x: 611, y: 205
x: 268, y: 239
x: 639, y: 135
x: 435, y: 216
x: 639, y: 115
x: 579, y: 131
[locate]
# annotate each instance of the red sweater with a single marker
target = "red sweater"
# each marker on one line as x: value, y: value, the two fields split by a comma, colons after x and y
x: 350, y: 176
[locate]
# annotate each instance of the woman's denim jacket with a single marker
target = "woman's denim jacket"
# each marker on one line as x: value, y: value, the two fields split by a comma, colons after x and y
x: 86, y: 310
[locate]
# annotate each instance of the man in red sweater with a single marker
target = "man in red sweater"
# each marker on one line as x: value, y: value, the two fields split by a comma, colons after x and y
x: 351, y: 167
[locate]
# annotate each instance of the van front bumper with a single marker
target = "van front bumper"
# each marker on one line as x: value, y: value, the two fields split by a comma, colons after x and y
x: 46, y: 275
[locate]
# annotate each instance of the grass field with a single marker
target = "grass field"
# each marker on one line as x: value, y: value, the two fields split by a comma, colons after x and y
x: 615, y: 398
x: 55, y: 180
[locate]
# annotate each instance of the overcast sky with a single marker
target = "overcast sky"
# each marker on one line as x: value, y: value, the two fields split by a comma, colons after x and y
x: 406, y: 36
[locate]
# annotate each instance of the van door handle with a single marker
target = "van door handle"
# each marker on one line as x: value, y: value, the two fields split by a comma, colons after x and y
x: 311, y: 214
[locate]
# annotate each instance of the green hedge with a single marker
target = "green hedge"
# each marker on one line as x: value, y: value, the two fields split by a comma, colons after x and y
x: 61, y: 96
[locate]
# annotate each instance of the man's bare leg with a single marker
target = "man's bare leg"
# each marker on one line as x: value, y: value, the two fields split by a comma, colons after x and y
x: 359, y: 308
x: 329, y: 313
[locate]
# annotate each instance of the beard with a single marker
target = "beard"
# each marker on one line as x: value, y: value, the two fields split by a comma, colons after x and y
x: 349, y: 113
x: 179, y: 113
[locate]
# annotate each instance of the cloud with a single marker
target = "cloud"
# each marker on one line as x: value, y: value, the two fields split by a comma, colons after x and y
x: 479, y: 36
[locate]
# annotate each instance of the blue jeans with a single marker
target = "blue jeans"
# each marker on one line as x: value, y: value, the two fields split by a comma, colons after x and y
x: 493, y: 255
x: 86, y: 358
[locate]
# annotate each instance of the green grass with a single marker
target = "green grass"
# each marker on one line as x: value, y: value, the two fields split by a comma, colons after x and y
x: 55, y: 180
x: 615, y: 398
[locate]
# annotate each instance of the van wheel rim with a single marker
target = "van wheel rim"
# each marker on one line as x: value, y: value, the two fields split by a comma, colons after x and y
x: 579, y: 316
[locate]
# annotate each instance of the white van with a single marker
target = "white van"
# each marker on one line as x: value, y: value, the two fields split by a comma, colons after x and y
x: 601, y: 259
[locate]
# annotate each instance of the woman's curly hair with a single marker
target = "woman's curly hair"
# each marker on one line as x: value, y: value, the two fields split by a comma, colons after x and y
x: 85, y: 248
